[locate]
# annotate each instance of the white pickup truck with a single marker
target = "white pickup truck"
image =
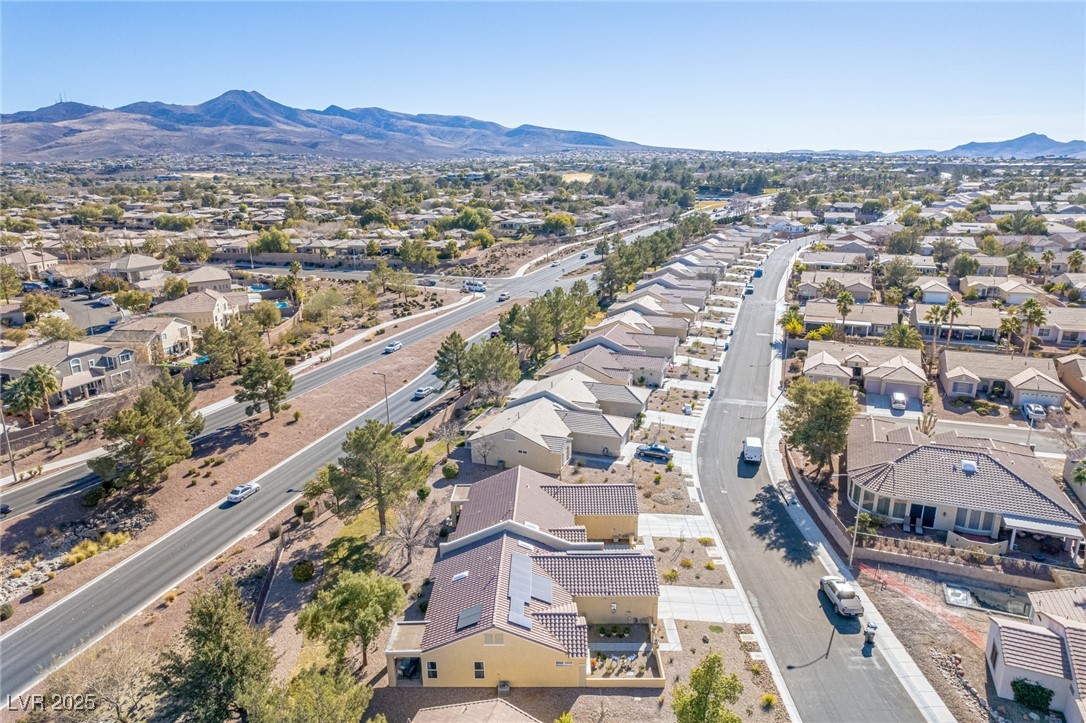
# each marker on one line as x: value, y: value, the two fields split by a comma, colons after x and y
x: 843, y: 595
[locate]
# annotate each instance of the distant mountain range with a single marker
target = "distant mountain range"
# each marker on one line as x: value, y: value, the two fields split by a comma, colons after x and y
x: 240, y: 122
x: 1031, y: 145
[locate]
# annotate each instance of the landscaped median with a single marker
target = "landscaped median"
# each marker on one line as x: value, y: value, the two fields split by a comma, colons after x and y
x: 239, y: 454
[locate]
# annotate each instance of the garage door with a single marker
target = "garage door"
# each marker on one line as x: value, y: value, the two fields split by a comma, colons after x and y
x: 909, y: 390
x: 1045, y: 398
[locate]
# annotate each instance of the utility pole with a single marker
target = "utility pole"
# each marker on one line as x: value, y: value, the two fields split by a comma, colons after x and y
x: 7, y: 443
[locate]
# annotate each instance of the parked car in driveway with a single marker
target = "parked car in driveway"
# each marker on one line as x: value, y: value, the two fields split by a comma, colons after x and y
x: 240, y: 492
x: 1034, y: 412
x: 393, y: 346
x: 842, y: 594
x: 423, y: 392
x: 660, y: 452
x: 899, y: 401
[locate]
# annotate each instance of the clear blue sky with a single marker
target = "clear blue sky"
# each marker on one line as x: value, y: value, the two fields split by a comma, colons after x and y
x: 735, y: 76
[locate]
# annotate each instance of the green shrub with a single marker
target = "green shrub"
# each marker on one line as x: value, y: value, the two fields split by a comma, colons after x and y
x: 706, y: 541
x: 274, y: 531
x: 39, y: 590
x: 671, y: 576
x: 450, y: 471
x: 422, y: 493
x: 420, y: 440
x: 6, y: 611
x: 93, y: 496
x: 297, y: 416
x: 302, y: 571
x: 768, y: 700
x: 1032, y: 695
x: 299, y: 507
x: 309, y: 514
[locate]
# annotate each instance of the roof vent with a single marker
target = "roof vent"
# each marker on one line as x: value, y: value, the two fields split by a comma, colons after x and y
x: 969, y: 466
x: 460, y: 575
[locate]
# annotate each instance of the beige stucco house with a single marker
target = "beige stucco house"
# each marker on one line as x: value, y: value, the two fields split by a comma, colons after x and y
x: 30, y: 263
x: 858, y: 284
x: 879, y: 369
x: 201, y: 308
x: 206, y: 278
x: 158, y: 338
x: 605, y: 365
x: 516, y: 586
x: 1024, y: 380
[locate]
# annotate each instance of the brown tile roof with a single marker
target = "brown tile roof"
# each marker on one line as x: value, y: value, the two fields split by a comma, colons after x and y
x: 1066, y: 603
x: 1032, y: 647
x: 590, y: 574
x: 906, y: 465
x: 596, y: 499
x: 479, y: 711
x: 515, y: 494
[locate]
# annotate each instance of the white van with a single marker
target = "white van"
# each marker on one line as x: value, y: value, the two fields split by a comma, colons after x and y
x: 474, y: 286
x: 752, y: 449
x: 899, y: 401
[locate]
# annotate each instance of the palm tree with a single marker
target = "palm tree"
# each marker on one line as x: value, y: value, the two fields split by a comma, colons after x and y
x: 902, y: 336
x: 1033, y: 315
x: 1076, y: 261
x: 42, y: 379
x: 1047, y: 257
x: 1010, y: 326
x: 935, y: 316
x: 791, y: 322
x: 951, y: 311
x: 18, y: 396
x: 845, y: 302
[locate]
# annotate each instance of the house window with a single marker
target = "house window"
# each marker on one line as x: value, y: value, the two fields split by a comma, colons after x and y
x: 126, y: 356
x: 163, y: 337
x: 1044, y: 333
x: 994, y: 655
x: 494, y: 639
x: 869, y: 500
x: 522, y: 451
x: 854, y: 492
x: 431, y: 669
x: 883, y: 506
x: 510, y: 436
x: 479, y: 672
x: 899, y: 509
x: 77, y: 366
x: 961, y: 388
x: 563, y: 663
x: 960, y: 520
x: 989, y: 518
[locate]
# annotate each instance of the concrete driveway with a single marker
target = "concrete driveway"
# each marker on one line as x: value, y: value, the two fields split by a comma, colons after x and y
x: 878, y: 405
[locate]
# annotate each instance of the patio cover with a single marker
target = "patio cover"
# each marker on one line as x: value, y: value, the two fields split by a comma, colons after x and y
x: 1054, y: 529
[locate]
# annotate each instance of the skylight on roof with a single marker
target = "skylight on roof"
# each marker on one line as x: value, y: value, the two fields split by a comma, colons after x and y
x: 460, y: 575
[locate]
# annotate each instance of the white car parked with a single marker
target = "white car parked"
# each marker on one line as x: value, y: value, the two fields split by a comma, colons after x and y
x: 240, y: 492
x: 1034, y: 412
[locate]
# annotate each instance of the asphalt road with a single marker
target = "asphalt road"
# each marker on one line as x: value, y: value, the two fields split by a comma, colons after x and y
x: 820, y: 653
x: 76, y: 621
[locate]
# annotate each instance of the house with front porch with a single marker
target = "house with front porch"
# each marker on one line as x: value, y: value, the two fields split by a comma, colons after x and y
x: 974, y: 323
x: 965, y: 485
x: 863, y: 320
x: 1019, y: 379
x: 1064, y: 326
x: 208, y: 277
x: 516, y: 586
x: 30, y: 263
x: 84, y: 369
x: 933, y: 289
x: 200, y: 308
x: 992, y: 265
x: 621, y: 340
x: 605, y: 365
x: 877, y: 369
x: 133, y: 267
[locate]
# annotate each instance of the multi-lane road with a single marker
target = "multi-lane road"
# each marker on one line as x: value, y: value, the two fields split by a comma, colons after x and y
x: 48, y: 639
x: 821, y: 655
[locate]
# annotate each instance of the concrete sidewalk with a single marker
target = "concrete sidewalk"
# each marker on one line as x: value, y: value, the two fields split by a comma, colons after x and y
x: 901, y: 663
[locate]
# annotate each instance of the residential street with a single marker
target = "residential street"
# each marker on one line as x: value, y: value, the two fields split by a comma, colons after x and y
x: 77, y: 620
x: 820, y: 654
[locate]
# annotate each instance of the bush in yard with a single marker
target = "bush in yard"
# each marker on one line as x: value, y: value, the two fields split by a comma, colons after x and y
x: 39, y: 590
x: 297, y: 416
x: 450, y: 471
x: 419, y: 441
x: 274, y: 531
x: 671, y: 576
x: 1032, y: 695
x: 768, y: 700
x: 93, y: 496
x: 299, y: 508
x: 422, y: 493
x: 309, y: 514
x: 706, y: 541
x: 6, y: 611
x: 302, y: 571
x: 670, y: 465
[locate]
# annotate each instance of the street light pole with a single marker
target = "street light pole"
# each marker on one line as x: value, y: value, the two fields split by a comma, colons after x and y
x: 7, y: 443
x: 384, y: 381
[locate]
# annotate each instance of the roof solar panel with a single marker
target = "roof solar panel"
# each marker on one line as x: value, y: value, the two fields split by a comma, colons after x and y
x: 469, y: 616
x: 542, y: 588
